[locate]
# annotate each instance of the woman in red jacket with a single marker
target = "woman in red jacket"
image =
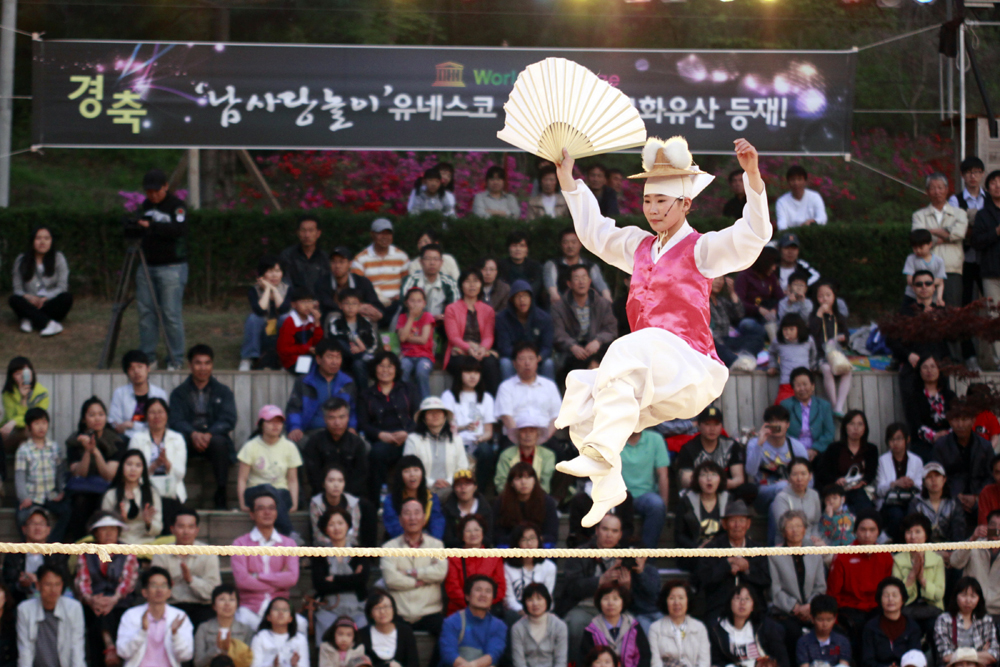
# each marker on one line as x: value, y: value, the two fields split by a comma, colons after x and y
x: 470, y: 528
x: 469, y: 325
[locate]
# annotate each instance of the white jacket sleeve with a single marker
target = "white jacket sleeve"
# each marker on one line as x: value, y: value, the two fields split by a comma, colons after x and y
x: 177, y: 453
x: 654, y: 645
x: 601, y: 235
x: 131, y: 636
x: 116, y: 413
x: 886, y: 476
x: 25, y: 639
x: 737, y: 247
x: 704, y: 650
x: 77, y: 649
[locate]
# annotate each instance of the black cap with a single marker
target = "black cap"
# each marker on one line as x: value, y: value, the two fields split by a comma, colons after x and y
x: 736, y: 508
x: 299, y: 293
x: 789, y: 240
x: 710, y: 413
x: 341, y: 251
x: 154, y: 180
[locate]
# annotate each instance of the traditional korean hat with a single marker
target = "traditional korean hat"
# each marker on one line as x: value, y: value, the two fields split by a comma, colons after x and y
x: 670, y: 169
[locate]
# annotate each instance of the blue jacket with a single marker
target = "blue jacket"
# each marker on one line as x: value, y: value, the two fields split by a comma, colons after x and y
x: 820, y: 421
x: 538, y: 329
x: 311, y: 392
x: 489, y: 635
x: 435, y: 522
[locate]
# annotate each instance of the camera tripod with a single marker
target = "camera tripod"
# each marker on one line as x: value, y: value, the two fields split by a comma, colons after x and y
x: 133, y: 255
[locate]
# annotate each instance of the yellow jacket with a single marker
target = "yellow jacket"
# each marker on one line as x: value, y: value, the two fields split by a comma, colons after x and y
x: 933, y: 593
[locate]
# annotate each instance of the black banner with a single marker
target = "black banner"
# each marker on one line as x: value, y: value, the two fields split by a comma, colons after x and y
x: 168, y: 94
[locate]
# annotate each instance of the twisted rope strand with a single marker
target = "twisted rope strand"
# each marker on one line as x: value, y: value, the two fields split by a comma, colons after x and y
x: 104, y: 551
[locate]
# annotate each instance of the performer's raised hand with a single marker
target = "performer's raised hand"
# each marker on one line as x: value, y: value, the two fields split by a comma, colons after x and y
x: 747, y: 155
x: 564, y: 170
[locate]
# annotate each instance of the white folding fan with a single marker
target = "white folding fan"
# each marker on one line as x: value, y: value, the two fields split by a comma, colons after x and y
x: 557, y: 103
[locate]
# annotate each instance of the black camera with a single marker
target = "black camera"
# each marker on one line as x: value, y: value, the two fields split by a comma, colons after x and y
x: 629, y: 563
x: 131, y: 228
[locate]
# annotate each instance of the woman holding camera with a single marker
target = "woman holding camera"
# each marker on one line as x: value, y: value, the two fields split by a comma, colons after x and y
x: 93, y: 453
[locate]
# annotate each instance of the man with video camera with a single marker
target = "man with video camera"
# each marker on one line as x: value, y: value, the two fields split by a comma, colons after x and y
x: 162, y: 225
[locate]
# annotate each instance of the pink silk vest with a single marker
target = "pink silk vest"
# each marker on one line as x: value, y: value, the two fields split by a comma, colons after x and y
x: 672, y: 294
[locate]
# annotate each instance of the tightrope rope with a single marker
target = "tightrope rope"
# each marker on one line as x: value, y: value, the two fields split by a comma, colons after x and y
x: 104, y: 551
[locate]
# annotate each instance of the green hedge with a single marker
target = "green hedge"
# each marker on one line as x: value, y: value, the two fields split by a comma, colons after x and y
x: 223, y: 247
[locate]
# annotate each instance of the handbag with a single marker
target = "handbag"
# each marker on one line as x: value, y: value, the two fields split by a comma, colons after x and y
x: 839, y: 363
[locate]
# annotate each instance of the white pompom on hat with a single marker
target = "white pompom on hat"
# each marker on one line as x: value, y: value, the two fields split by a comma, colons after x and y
x: 669, y: 169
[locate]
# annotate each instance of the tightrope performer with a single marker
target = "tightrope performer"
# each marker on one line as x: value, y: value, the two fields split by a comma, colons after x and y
x: 667, y: 368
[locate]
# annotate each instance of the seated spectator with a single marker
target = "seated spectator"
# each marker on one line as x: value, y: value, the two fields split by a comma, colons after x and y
x: 203, y: 410
x: 966, y: 624
x: 557, y: 272
x: 607, y: 200
x: 259, y: 579
x: 678, y: 638
x: 829, y: 330
x: 93, y: 453
x: 987, y: 424
x: 355, y: 334
x: 927, y: 411
x: 341, y: 278
x: 496, y: 292
x: 470, y: 327
x: 20, y: 571
x: 792, y: 593
x: 336, y: 646
x: 743, y: 633
x: 383, y: 264
x: 719, y: 577
x: 494, y: 200
x: 700, y: 508
x: 385, y: 418
x: 105, y: 589
x: 527, y: 391
x: 646, y: 469
x: 811, y: 416
x: 923, y: 574
x: 409, y: 481
x: 128, y: 402
x: 415, y: 329
x: 946, y: 514
x: 155, y: 632
x: 797, y: 496
x: 770, y: 454
x: 269, y: 465
x: 760, y: 291
x: 364, y: 520
x: 796, y: 300
x: 436, y: 445
x: 982, y: 564
x: 523, y: 322
x: 800, y: 206
x: 194, y: 576
x: 794, y: 349
x: 989, y: 497
x: 965, y: 457
x: 325, y: 381
x: 530, y: 428
x: 836, y: 526
x: 726, y: 453
x: 602, y: 656
x: 339, y: 581
x: 824, y: 643
x: 462, y: 570
x: 41, y: 298
x: 473, y: 636
x: 281, y: 639
x: 520, y: 574
x: 923, y: 259
x: 549, y: 202
x: 582, y: 502
x: 21, y: 392
x: 521, y: 500
x: 517, y: 266
x: 900, y: 478
x: 891, y: 633
x: 790, y: 263
x: 582, y: 322
x: 726, y: 312
x: 388, y: 642
x: 269, y: 306
x: 473, y: 409
x: 304, y: 263
x: 415, y: 581
x: 948, y: 226
x: 301, y: 330
x: 854, y: 579
x: 613, y: 626
x: 50, y: 626
x: 336, y: 445
x: 135, y: 500
x: 439, y: 288
x: 430, y: 195
x: 167, y: 455
x: 851, y: 462
x: 465, y: 500
x: 223, y: 634
x: 983, y: 238
x: 734, y: 206
x: 449, y: 266
x: 538, y: 638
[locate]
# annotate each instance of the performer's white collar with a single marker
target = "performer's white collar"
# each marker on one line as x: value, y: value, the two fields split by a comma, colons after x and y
x: 658, y: 250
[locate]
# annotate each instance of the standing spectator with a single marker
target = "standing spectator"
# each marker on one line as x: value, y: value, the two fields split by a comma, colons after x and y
x: 539, y: 638
x: 462, y: 570
x: 549, y: 202
x: 646, y: 470
x: 948, y: 226
x: 357, y: 336
x: 699, y: 514
x: 50, y: 627
x: 678, y: 638
x: 829, y: 329
x: 583, y: 323
x: 908, y: 353
x: 341, y: 278
x: 167, y: 456
x: 415, y: 329
x: 383, y: 264
x: 155, y: 632
x: 796, y: 497
x: 521, y: 574
x: 966, y: 625
x: 364, y: 522
x: 434, y: 442
x: 726, y: 311
x: 527, y: 391
x: 965, y: 456
x: 20, y: 571
x: 40, y: 474
x: 470, y: 328
x: 800, y: 206
x: 269, y: 465
x: 260, y: 579
x: 518, y: 266
x: 496, y: 292
x: 41, y: 298
x: 135, y: 500
x: 927, y: 411
x: 93, y: 453
x: 473, y: 409
x: 494, y: 200
x: 790, y: 262
x: 337, y: 446
x: 851, y: 462
x: 946, y: 514
x: 449, y: 266
x: 203, y: 410
x: 795, y: 580
x: 301, y: 330
x: 194, y: 576
x: 162, y: 226
x: 743, y: 633
x: 734, y: 207
x: 385, y: 418
x: 430, y: 195
x: 21, y: 392
x: 970, y: 200
x: 439, y: 288
x: 923, y: 574
x: 410, y: 481
x: 281, y: 639
x: 269, y: 306
x: 223, y: 634
x: 465, y: 500
x: 304, y: 263
x: 339, y: 581
x: 899, y: 480
x: 890, y: 634
x: 473, y: 637
x: 614, y: 627
x: 770, y: 454
x: 607, y: 200
x: 524, y: 322
x: 521, y: 499
x: 923, y: 259
x: 128, y: 402
x: 725, y: 452
x: 557, y: 271
x: 759, y: 289
x: 530, y: 427
x: 324, y: 382
x: 388, y: 642
x: 811, y: 416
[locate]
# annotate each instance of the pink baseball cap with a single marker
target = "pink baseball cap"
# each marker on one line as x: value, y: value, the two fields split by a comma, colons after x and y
x: 269, y: 412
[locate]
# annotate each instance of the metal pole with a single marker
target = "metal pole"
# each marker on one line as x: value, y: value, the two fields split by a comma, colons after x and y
x: 9, y: 20
x: 961, y: 92
x: 194, y: 179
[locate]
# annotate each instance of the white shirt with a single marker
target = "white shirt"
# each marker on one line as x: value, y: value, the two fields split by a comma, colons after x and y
x: 792, y: 212
x: 518, y: 578
x: 267, y: 646
x: 549, y: 204
x: 515, y: 396
x: 122, y: 408
x: 131, y: 642
x: 256, y: 536
x: 468, y: 410
x: 384, y: 646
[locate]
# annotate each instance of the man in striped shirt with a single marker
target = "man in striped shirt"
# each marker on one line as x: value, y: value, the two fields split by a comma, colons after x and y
x: 382, y: 263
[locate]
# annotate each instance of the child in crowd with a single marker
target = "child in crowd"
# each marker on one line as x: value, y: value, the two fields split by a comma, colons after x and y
x: 415, y: 329
x: 269, y: 462
x: 836, y: 526
x: 823, y: 644
x: 338, y: 649
x: 795, y: 299
x: 795, y: 348
x: 356, y: 336
x: 301, y: 331
x: 829, y: 329
x: 40, y: 473
x: 922, y: 259
x: 279, y: 641
x: 269, y: 306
